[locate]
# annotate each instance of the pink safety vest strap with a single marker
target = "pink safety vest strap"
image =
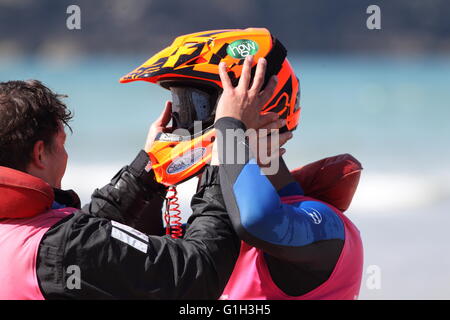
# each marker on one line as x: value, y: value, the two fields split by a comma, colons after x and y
x: 251, y: 278
x: 19, y: 245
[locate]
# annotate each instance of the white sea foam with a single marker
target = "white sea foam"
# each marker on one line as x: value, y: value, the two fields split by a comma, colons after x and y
x: 85, y: 178
x: 378, y: 192
x: 395, y: 193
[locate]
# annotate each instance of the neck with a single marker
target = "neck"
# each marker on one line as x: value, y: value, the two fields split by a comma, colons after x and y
x: 282, y: 178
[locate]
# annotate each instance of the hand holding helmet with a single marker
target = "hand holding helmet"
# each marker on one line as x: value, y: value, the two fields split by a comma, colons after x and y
x: 244, y: 103
x: 159, y: 125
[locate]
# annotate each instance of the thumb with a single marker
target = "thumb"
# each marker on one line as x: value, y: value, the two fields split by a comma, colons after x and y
x: 165, y: 116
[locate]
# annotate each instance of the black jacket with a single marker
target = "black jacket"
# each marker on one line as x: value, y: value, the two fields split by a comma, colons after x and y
x: 116, y: 262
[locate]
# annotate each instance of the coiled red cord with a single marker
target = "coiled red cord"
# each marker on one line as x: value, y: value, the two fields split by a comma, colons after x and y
x: 172, y: 215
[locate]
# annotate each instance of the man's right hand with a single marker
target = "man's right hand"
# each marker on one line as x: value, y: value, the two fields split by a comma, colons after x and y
x: 244, y: 102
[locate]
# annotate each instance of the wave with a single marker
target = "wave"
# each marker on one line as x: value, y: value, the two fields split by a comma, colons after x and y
x: 394, y: 193
x: 378, y: 192
x: 85, y: 178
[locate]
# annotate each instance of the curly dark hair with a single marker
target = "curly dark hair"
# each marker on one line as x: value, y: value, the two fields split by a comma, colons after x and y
x: 29, y: 112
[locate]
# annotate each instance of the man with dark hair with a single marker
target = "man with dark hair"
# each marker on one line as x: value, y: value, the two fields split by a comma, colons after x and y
x: 30, y: 113
x: 52, y: 249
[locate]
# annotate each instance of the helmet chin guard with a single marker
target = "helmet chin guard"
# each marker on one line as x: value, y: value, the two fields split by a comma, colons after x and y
x: 182, y: 154
x: 177, y: 158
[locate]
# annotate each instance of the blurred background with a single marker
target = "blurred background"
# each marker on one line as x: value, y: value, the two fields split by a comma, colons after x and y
x: 381, y: 95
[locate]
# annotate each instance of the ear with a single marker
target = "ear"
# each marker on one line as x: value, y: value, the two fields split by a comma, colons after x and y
x: 37, y: 156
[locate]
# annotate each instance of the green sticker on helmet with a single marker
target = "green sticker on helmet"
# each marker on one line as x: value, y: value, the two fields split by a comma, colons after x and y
x: 239, y: 49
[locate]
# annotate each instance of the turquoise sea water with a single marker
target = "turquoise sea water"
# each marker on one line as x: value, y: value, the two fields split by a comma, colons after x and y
x: 392, y: 113
x: 381, y: 109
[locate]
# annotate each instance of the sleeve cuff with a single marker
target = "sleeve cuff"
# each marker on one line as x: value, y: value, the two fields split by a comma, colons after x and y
x: 139, y: 164
x: 232, y: 144
x: 229, y: 123
x: 209, y: 177
x: 141, y: 169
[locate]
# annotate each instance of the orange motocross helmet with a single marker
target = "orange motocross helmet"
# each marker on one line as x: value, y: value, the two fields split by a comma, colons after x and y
x: 189, y: 69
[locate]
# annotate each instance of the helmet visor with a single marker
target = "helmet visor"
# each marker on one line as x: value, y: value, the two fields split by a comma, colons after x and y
x: 192, y: 104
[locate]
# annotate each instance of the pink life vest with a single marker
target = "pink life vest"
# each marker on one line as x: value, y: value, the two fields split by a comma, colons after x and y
x: 20, y: 239
x: 251, y: 279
